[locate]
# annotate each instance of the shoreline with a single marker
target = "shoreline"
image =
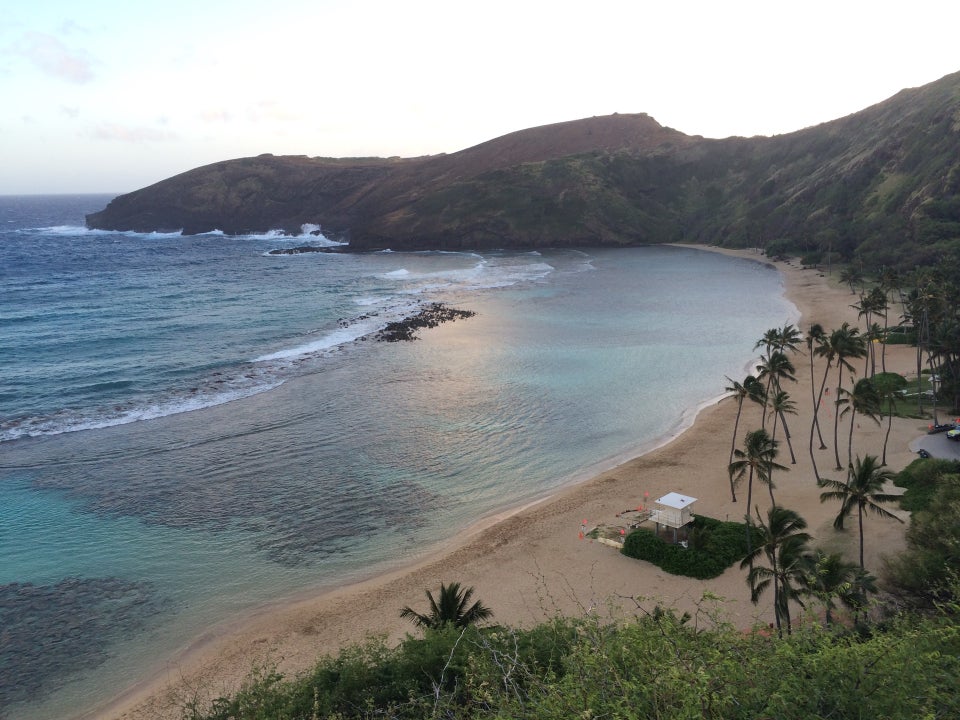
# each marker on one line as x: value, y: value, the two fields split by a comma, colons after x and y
x: 527, y: 562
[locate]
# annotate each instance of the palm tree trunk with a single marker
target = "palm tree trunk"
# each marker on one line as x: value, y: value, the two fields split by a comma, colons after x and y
x: 883, y: 349
x: 786, y: 434
x: 777, y: 610
x: 886, y: 437
x: 836, y: 416
x: 733, y: 445
x: 860, y: 518
x: 853, y: 416
x: 817, y: 399
x: 816, y: 405
x: 773, y: 438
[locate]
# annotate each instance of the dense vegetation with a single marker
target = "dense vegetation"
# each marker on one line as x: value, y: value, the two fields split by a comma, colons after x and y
x: 656, y: 665
x: 712, y: 546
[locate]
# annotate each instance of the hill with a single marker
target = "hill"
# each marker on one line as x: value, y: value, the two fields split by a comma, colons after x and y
x: 883, y: 182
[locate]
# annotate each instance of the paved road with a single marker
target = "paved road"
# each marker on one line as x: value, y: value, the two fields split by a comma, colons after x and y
x: 938, y: 445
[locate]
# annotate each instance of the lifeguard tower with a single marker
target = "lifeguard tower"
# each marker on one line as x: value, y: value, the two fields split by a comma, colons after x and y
x: 673, y: 510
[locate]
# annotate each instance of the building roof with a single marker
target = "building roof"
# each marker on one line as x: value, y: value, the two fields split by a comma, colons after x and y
x: 676, y: 500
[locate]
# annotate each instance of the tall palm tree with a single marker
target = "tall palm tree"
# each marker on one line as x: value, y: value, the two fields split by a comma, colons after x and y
x: 785, y: 546
x: 830, y: 578
x: 862, y: 400
x: 452, y: 608
x: 773, y: 368
x: 852, y: 277
x: 815, y: 339
x: 757, y: 459
x: 871, y: 303
x: 781, y: 405
x: 845, y: 342
x: 862, y: 490
x: 780, y: 339
x: 888, y: 387
x: 741, y: 391
x: 890, y: 283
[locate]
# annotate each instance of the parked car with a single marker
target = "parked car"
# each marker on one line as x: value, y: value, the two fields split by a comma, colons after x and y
x: 953, y: 434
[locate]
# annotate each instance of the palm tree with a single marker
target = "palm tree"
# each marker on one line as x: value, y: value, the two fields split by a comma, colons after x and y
x: 775, y: 365
x: 826, y: 350
x: 747, y: 389
x: 864, y: 400
x: 871, y: 303
x: 781, y: 404
x: 888, y: 387
x: 890, y: 282
x: 845, y: 343
x: 784, y: 544
x: 780, y: 339
x: 830, y: 578
x: 815, y: 339
x: 451, y: 609
x: 863, y: 490
x: 851, y: 276
x: 758, y: 458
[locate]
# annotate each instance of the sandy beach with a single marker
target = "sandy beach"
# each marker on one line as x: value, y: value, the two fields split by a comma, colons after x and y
x: 529, y: 564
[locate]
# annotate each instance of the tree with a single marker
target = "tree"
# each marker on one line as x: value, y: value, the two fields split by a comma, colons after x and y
x: 781, y: 404
x: 758, y: 458
x: 852, y: 277
x: 830, y: 578
x: 863, y: 400
x: 452, y: 608
x: 815, y: 338
x: 862, y: 490
x: 773, y: 368
x: 780, y: 339
x: 747, y: 389
x: 845, y: 342
x: 888, y: 387
x: 784, y: 544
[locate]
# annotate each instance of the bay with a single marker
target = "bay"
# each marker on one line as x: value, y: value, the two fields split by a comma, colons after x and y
x: 192, y: 427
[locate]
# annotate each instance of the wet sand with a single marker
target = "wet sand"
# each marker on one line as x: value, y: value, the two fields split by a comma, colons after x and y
x: 529, y: 564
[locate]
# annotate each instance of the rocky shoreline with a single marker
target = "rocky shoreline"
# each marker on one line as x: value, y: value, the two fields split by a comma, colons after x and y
x: 429, y: 317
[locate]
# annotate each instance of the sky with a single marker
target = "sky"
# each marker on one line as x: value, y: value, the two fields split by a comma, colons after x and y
x: 107, y: 96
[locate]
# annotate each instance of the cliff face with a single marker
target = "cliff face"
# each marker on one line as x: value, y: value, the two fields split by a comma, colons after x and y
x: 887, y: 175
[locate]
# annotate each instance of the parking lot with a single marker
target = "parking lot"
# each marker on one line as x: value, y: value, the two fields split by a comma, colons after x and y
x: 938, y: 445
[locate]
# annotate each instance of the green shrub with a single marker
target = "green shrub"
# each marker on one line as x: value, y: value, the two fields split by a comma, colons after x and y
x: 930, y: 566
x: 713, y: 547
x: 920, y: 478
x: 657, y: 665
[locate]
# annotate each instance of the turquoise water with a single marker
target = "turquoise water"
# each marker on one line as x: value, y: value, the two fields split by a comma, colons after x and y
x: 192, y: 428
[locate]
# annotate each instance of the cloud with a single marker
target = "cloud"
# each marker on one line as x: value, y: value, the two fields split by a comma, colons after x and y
x: 54, y: 58
x: 131, y: 134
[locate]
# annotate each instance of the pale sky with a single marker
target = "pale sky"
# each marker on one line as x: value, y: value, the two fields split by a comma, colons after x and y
x: 109, y: 96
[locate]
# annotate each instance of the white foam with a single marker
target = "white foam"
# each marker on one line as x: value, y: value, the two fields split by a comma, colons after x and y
x: 65, y: 422
x: 327, y: 341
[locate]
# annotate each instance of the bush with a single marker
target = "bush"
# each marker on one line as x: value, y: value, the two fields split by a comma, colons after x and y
x: 928, y: 569
x: 713, y: 547
x: 920, y: 478
x: 655, y: 666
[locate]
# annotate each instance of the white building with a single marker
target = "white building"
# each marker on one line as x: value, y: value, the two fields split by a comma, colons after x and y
x: 673, y: 510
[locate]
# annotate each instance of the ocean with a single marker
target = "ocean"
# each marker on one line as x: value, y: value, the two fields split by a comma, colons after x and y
x: 191, y: 427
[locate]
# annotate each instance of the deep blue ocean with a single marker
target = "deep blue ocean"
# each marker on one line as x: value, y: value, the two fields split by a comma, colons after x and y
x: 191, y: 427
